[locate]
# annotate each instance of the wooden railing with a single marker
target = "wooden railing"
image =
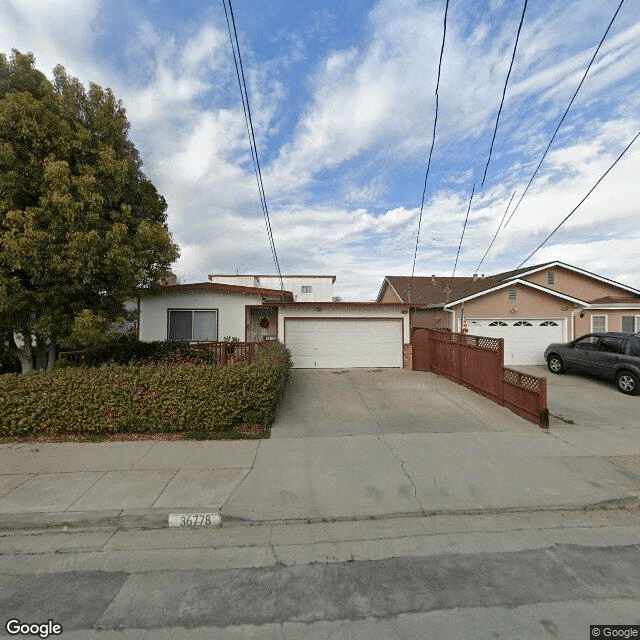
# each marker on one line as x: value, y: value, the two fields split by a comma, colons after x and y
x: 477, y: 362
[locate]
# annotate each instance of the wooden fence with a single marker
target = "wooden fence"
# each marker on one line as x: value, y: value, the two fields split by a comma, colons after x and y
x: 477, y: 362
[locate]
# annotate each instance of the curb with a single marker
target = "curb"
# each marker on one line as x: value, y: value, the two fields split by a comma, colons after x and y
x: 159, y: 518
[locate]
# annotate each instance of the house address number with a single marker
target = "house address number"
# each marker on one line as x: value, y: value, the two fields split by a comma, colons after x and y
x: 194, y: 519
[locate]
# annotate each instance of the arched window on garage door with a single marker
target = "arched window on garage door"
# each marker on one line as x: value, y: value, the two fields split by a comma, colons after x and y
x: 522, y: 323
x: 498, y: 323
x: 548, y: 323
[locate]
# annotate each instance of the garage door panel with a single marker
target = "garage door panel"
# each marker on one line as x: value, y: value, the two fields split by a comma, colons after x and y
x: 524, y: 340
x: 340, y: 343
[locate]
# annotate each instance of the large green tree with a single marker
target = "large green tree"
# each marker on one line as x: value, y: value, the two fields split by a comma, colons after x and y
x: 81, y: 227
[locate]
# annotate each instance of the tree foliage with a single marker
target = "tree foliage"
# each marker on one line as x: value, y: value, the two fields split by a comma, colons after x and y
x: 81, y: 227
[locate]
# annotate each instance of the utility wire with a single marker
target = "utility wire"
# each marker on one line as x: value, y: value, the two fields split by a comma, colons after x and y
x: 462, y: 237
x: 504, y: 215
x: 504, y: 91
x: 235, y: 46
x: 564, y: 115
x: 433, y: 140
x: 579, y: 203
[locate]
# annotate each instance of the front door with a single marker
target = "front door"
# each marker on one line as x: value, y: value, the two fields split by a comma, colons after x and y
x: 263, y: 324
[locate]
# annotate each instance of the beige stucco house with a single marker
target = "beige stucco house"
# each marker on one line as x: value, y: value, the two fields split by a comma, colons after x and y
x: 529, y: 307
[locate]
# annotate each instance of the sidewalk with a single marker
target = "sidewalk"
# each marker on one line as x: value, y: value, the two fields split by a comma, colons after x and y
x: 138, y: 484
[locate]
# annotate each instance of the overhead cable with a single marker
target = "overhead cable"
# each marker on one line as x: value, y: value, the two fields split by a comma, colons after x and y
x: 564, y: 115
x: 504, y: 91
x: 504, y: 215
x: 433, y: 140
x: 462, y: 236
x: 579, y: 203
x: 237, y: 59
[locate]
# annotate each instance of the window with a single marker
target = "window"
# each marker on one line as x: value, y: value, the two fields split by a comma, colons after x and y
x: 197, y: 325
x: 613, y: 345
x: 522, y: 323
x: 588, y: 342
x: 548, y: 323
x: 513, y: 294
x: 598, y: 324
x: 551, y: 277
x: 634, y: 349
x: 306, y: 288
x: 498, y: 323
x: 630, y: 324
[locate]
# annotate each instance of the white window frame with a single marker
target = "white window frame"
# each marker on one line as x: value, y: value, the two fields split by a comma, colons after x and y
x: 513, y: 295
x: 306, y: 288
x: 636, y: 323
x: 551, y: 277
x: 193, y: 311
x: 606, y: 322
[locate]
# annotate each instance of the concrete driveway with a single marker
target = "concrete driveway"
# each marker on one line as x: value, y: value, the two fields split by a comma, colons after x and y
x: 590, y: 402
x: 346, y: 402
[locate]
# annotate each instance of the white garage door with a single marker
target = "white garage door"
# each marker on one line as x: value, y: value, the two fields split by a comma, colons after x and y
x: 327, y: 343
x: 524, y: 340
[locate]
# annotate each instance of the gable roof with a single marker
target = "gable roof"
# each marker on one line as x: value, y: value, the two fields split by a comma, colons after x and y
x: 443, y: 290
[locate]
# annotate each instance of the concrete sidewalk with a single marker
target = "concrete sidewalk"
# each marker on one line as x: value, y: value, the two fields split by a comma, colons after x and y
x: 509, y: 465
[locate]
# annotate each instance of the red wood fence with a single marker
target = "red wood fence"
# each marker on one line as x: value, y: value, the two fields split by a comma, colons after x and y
x: 477, y: 362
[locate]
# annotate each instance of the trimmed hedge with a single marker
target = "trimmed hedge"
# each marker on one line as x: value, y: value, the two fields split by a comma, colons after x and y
x: 130, y: 350
x: 190, y: 398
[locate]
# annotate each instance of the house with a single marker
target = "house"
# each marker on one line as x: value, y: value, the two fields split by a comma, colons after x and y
x: 309, y: 288
x: 320, y: 333
x: 529, y: 307
x: 208, y: 311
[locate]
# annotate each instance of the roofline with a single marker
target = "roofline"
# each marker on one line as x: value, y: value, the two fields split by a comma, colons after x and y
x: 386, y: 279
x: 383, y: 305
x: 229, y: 288
x: 510, y: 283
x: 266, y: 275
x: 615, y: 305
x: 557, y: 263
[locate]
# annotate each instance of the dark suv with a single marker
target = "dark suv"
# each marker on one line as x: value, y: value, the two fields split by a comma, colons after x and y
x: 615, y: 356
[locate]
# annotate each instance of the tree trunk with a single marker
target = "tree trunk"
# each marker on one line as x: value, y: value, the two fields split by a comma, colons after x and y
x: 51, y: 359
x: 25, y: 353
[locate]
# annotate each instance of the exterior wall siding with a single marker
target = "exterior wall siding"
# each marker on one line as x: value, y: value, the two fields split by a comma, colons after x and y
x: 575, y: 284
x: 321, y: 286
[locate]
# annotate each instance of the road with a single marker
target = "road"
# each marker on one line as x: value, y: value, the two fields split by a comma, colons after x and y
x: 525, y: 575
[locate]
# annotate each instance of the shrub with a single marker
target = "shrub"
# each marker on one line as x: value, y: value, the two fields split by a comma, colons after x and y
x: 152, y: 398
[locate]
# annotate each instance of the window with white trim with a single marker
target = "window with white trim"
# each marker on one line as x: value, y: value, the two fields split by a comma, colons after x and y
x: 551, y: 277
x: 630, y: 324
x: 513, y: 294
x: 598, y: 324
x: 498, y: 323
x: 522, y: 323
x: 548, y: 323
x: 306, y: 288
x: 195, y: 325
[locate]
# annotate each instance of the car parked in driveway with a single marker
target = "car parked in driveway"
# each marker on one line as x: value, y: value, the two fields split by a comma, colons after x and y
x: 614, y: 356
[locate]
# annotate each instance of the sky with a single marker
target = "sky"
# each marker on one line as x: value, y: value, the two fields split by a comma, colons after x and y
x: 343, y: 99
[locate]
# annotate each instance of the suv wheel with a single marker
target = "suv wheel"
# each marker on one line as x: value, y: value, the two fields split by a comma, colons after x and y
x: 555, y: 363
x: 627, y: 382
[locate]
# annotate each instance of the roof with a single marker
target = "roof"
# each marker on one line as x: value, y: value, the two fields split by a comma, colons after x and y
x: 333, y: 305
x: 447, y: 290
x: 266, y: 275
x: 227, y: 288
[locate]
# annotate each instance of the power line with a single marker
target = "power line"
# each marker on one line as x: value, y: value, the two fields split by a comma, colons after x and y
x: 504, y: 215
x: 504, y: 91
x: 564, y: 115
x: 462, y: 235
x: 235, y: 46
x: 579, y: 203
x: 433, y: 140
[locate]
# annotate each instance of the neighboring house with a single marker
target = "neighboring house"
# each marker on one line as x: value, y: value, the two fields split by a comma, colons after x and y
x: 304, y: 288
x: 529, y: 307
x: 207, y: 311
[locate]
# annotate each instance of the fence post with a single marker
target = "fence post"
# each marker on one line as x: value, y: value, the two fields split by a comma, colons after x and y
x: 500, y: 372
x: 542, y: 395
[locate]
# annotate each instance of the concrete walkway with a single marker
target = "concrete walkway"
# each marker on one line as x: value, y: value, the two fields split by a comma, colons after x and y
x: 353, y: 444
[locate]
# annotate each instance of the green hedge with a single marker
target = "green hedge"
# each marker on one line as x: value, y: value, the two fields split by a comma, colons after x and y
x: 190, y: 398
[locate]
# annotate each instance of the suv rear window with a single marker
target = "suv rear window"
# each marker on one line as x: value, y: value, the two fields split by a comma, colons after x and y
x: 634, y: 348
x: 613, y: 345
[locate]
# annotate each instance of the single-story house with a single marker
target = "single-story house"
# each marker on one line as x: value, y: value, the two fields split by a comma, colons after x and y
x: 320, y: 334
x: 529, y: 307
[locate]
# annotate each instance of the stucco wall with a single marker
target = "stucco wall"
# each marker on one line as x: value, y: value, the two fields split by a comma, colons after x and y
x: 575, y: 284
x: 321, y: 286
x: 230, y: 307
x: 614, y: 319
x: 431, y: 318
